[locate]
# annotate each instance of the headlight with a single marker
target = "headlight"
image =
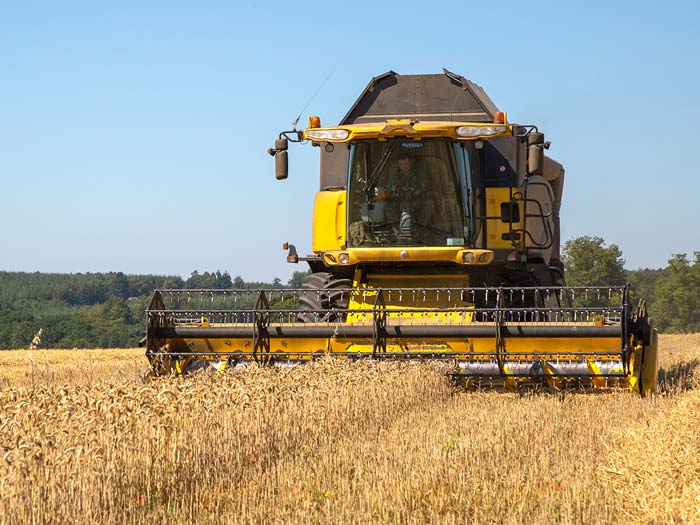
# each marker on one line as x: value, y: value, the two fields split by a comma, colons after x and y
x: 326, y: 134
x: 480, y: 131
x: 343, y: 258
x: 468, y: 257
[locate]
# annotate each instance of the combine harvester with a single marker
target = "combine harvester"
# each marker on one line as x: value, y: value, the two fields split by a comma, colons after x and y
x: 435, y: 236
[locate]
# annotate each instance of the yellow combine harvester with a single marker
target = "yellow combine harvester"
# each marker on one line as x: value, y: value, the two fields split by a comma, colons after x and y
x: 435, y: 236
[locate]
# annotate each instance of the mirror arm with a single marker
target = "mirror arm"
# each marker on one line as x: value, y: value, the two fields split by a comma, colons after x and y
x: 292, y: 136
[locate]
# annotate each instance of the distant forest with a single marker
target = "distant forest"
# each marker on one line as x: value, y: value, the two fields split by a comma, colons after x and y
x: 107, y: 310
x: 92, y: 310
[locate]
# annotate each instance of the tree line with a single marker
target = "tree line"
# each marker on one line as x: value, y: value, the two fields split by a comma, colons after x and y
x: 92, y: 310
x: 671, y: 293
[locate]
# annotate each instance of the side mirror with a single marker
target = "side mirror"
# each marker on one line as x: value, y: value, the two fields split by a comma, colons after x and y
x: 281, y: 145
x: 281, y: 165
x: 281, y: 159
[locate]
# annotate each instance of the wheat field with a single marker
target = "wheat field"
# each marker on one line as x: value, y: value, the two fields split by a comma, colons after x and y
x: 83, y: 440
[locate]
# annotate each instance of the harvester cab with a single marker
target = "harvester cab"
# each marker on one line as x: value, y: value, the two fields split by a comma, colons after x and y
x: 425, y: 172
x: 435, y: 235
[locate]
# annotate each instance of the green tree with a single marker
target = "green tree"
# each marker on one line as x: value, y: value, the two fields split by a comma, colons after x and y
x: 297, y: 279
x: 209, y: 280
x: 117, y: 285
x: 174, y: 282
x: 677, y: 302
x: 114, y: 310
x: 643, y: 283
x: 588, y: 262
x: 84, y: 310
x: 223, y: 280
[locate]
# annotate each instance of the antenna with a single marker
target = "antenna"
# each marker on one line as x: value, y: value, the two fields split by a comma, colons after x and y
x: 457, y: 79
x: 296, y: 120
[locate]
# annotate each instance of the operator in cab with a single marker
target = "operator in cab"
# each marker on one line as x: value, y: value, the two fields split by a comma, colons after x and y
x: 406, y: 189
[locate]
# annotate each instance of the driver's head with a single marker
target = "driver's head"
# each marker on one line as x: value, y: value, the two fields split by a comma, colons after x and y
x: 405, y: 163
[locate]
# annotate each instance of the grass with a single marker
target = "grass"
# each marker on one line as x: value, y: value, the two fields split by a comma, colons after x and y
x: 82, y: 440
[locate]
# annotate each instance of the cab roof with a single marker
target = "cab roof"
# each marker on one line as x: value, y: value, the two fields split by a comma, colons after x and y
x: 442, y: 97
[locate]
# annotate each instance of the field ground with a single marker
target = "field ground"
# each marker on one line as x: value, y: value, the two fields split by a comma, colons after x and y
x: 29, y: 368
x: 83, y: 440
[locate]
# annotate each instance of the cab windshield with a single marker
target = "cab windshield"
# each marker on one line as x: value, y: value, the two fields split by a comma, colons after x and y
x: 404, y: 192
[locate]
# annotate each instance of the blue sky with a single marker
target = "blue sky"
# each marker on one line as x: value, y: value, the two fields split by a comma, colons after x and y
x: 134, y: 137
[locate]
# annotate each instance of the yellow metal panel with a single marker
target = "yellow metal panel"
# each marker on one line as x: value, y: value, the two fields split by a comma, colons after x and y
x: 554, y: 348
x: 594, y: 369
x: 409, y: 254
x: 649, y: 366
x: 413, y: 305
x: 403, y: 127
x: 549, y: 352
x: 329, y: 222
x: 495, y: 228
x: 423, y: 280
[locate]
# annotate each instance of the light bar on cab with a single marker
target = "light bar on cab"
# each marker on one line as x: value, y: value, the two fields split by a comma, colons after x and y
x: 480, y: 131
x: 326, y: 134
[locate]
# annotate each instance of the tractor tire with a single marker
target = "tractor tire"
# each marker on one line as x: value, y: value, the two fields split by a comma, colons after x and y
x: 322, y: 294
